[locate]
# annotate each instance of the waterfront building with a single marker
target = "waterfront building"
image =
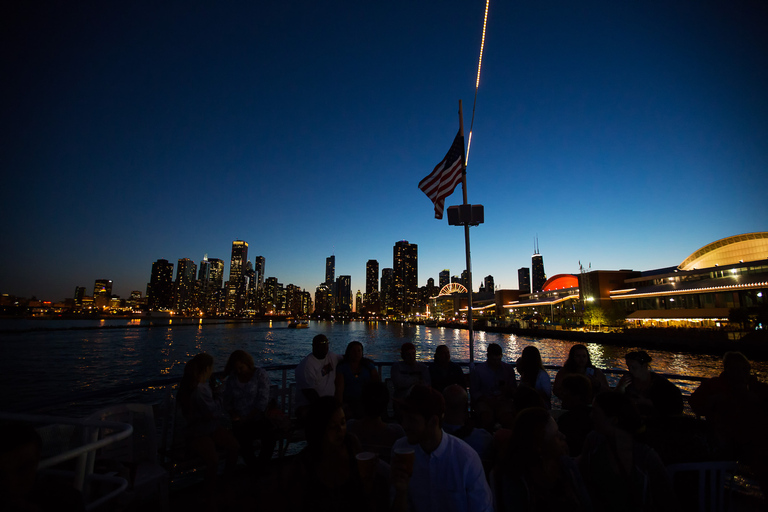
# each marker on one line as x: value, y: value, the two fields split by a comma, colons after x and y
x: 488, y: 284
x: 274, y: 296
x: 405, y: 259
x: 359, y: 302
x: 724, y: 281
x: 184, y: 285
x: 371, y: 287
x: 236, y: 287
x: 102, y: 293
x: 330, y: 269
x: 79, y: 294
x: 444, y: 278
x: 160, y: 286
x: 524, y: 280
x: 387, y: 295
x: 556, y: 303
x: 324, y: 299
x: 344, y: 294
x: 293, y: 300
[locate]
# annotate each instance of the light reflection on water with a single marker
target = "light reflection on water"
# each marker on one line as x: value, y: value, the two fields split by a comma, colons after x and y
x: 43, y: 364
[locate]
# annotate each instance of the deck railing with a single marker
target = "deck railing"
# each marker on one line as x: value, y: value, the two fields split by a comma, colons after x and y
x: 86, y: 442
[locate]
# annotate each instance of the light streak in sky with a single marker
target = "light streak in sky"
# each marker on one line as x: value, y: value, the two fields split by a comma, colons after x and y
x: 477, y: 82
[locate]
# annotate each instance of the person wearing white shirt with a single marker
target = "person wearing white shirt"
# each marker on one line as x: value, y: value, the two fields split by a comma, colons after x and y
x: 316, y: 374
x: 447, y: 473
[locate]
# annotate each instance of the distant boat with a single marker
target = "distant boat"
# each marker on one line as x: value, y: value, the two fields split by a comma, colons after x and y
x: 298, y: 324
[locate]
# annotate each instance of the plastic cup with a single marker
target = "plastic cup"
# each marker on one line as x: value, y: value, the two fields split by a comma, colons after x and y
x: 366, y: 464
x: 404, y: 458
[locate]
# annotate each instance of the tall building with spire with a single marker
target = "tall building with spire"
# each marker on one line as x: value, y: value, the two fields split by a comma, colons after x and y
x: 405, y: 259
x: 538, y: 276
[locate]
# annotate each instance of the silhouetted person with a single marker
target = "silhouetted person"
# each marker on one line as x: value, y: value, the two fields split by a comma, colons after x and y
x: 443, y: 372
x: 316, y: 375
x: 533, y: 375
x: 352, y: 373
x: 576, y: 421
x: 374, y: 434
x: 652, y: 393
x: 580, y: 362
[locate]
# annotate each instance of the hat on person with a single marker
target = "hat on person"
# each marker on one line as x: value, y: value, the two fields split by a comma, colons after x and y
x: 423, y: 400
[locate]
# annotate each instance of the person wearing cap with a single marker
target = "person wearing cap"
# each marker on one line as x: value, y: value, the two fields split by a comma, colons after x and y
x: 408, y: 372
x: 652, y: 393
x: 447, y: 473
x: 316, y: 374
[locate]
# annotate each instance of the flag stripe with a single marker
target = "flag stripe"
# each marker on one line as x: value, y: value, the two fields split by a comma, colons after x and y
x: 446, y: 175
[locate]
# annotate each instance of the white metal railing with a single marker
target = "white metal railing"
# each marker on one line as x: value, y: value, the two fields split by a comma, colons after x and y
x: 84, y: 453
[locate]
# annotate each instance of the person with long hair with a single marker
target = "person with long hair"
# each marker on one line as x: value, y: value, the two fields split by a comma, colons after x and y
x: 620, y: 471
x: 246, y: 396
x: 205, y: 418
x: 533, y: 375
x: 535, y: 472
x: 579, y: 362
x: 352, y: 374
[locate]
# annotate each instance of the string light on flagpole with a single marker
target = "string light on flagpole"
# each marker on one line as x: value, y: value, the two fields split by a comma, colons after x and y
x: 477, y: 82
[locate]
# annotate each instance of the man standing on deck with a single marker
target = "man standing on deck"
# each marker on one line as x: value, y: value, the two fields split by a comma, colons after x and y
x: 446, y: 473
x: 316, y: 375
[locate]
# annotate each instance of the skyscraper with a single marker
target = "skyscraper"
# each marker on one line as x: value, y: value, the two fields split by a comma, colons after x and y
x: 237, y: 287
x: 405, y: 259
x: 102, y: 292
x: 371, y: 286
x: 344, y: 294
x: 387, y: 295
x: 212, y: 288
x: 524, y: 280
x: 538, y: 277
x: 489, y: 286
x: 330, y: 269
x: 259, y: 265
x: 185, y: 278
x: 465, y: 279
x: 160, y: 286
x: 444, y: 278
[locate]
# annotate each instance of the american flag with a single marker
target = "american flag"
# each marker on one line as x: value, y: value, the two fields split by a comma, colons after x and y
x: 447, y: 174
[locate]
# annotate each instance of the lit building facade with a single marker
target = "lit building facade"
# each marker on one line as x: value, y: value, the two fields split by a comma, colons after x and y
x: 405, y: 258
x: 184, y: 285
x: 236, y: 289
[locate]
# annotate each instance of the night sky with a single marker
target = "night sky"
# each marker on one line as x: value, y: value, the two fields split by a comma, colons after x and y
x: 624, y: 134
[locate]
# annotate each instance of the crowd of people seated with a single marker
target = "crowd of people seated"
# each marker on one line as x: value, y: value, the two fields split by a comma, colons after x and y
x: 487, y: 441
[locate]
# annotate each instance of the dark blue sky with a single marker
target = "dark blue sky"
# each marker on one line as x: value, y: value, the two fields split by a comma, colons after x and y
x: 625, y: 134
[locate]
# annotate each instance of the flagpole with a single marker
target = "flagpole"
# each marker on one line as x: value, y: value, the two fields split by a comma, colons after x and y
x: 466, y: 244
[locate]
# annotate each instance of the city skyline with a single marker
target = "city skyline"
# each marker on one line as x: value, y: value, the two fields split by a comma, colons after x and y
x: 621, y: 135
